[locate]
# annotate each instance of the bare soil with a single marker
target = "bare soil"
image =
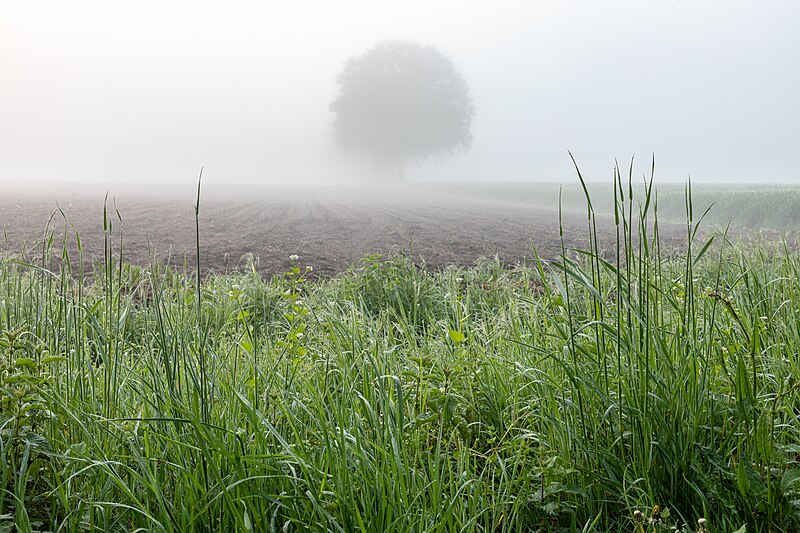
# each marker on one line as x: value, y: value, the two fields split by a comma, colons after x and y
x: 328, y: 228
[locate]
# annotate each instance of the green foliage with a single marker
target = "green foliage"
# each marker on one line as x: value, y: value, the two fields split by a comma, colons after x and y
x: 747, y: 208
x: 635, y: 391
x: 397, y: 286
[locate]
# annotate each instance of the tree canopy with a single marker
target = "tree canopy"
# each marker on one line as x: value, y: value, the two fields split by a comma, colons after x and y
x: 402, y: 101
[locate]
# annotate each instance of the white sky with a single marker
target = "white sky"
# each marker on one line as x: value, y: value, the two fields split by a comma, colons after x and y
x: 151, y: 90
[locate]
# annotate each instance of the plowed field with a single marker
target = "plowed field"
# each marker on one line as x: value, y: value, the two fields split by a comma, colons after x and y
x: 326, y: 227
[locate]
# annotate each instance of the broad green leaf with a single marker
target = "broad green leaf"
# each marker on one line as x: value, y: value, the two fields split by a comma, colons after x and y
x: 456, y: 336
x: 789, y: 478
x: 741, y: 479
x: 26, y: 362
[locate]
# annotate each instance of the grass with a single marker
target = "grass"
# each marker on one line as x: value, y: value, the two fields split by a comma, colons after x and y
x: 773, y: 208
x: 634, y: 392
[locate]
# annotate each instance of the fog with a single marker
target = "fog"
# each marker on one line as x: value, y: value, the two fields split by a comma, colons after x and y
x: 148, y: 92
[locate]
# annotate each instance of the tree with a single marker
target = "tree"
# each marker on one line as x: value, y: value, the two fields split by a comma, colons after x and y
x: 400, y: 102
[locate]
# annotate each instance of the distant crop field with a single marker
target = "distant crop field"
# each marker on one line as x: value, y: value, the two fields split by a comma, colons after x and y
x: 626, y: 377
x: 745, y: 207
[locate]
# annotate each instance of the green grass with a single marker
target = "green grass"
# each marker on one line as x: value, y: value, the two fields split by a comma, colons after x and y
x: 774, y: 208
x: 563, y: 396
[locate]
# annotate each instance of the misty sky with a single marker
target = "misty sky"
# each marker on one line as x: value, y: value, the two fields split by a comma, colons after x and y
x: 150, y: 91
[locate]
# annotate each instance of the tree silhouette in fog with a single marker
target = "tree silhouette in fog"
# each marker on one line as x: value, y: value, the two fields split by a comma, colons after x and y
x: 400, y: 102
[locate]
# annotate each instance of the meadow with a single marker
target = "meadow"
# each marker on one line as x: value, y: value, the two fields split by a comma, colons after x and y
x: 640, y: 388
x: 746, y: 207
